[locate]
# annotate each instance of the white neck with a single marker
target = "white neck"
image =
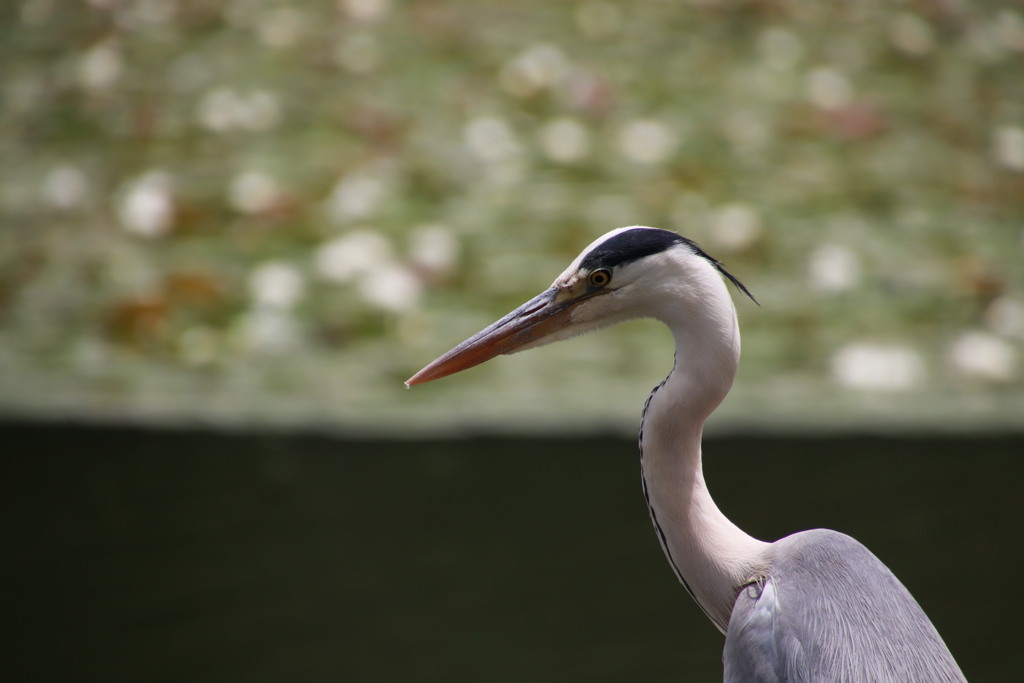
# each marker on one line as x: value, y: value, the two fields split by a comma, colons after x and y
x: 712, y: 556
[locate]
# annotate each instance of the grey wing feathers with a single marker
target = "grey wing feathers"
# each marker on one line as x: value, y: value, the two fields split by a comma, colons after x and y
x: 829, y: 610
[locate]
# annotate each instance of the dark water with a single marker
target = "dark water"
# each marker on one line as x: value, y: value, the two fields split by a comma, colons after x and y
x: 159, y: 556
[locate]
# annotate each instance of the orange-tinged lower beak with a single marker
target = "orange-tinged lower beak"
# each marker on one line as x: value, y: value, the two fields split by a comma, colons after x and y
x: 532, y: 321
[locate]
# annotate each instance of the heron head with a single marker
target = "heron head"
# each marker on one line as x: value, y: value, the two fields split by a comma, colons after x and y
x: 627, y: 273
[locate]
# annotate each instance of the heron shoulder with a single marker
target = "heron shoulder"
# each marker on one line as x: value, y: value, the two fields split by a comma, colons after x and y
x: 828, y: 609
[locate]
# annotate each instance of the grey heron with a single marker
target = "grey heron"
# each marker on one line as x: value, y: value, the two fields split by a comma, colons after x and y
x: 813, y: 606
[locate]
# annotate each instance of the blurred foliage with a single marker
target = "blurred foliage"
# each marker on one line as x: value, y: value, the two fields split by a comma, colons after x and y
x: 272, y: 210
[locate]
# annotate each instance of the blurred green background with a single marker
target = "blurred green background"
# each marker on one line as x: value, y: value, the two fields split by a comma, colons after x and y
x: 274, y: 211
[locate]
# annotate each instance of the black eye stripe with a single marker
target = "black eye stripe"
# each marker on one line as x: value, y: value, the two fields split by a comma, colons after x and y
x: 629, y: 246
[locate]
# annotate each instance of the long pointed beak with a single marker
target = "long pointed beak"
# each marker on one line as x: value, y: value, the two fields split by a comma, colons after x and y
x: 532, y: 321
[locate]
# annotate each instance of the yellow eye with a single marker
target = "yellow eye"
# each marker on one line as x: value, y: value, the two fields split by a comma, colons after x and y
x: 600, y: 277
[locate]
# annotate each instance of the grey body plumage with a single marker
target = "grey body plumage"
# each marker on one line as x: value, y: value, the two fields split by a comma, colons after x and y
x: 829, y: 610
